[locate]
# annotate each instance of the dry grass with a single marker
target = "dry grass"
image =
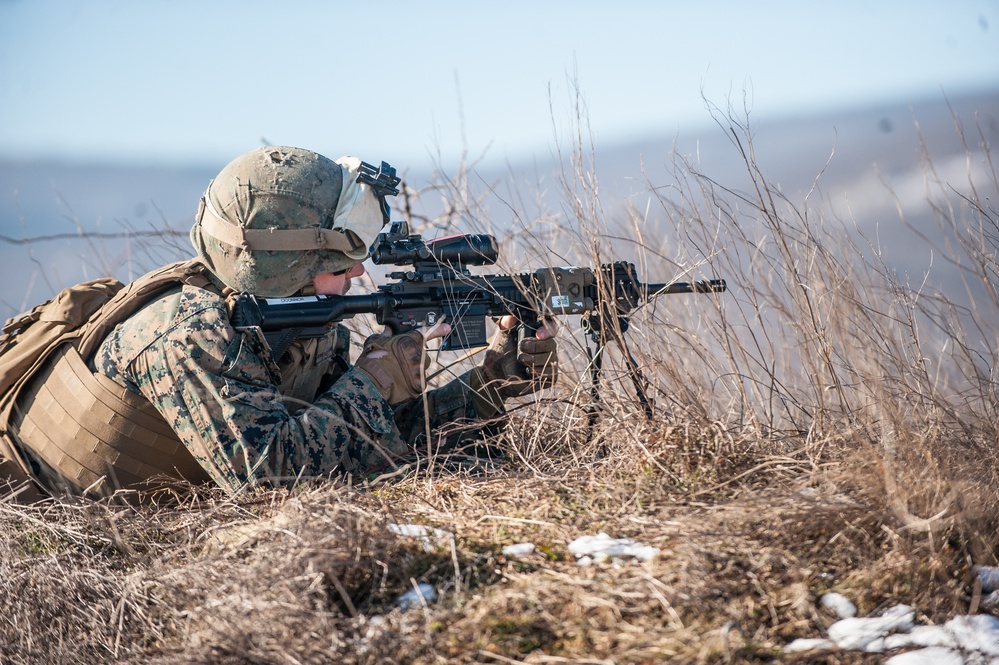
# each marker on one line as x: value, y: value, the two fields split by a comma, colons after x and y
x: 821, y: 426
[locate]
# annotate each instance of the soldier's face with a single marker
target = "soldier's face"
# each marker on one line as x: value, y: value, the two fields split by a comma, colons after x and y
x: 334, y: 283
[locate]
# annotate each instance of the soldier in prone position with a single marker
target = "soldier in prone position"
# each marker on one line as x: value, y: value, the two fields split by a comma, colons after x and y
x: 190, y: 396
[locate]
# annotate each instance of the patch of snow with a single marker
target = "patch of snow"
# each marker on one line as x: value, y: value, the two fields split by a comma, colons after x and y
x: 988, y: 576
x: 519, y: 549
x: 839, y: 605
x: 809, y: 644
x: 963, y: 640
x: 601, y: 547
x: 929, y: 656
x: 858, y: 633
x: 430, y: 538
x: 423, y: 594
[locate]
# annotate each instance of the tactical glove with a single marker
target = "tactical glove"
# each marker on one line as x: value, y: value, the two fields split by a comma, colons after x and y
x: 395, y: 364
x: 513, y: 369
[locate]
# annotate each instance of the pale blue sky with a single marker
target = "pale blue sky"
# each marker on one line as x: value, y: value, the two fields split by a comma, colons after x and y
x: 201, y: 81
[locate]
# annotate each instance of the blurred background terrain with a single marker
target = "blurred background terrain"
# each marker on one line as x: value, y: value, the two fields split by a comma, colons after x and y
x: 64, y: 221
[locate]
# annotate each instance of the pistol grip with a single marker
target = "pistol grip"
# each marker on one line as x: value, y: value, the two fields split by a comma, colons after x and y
x: 528, y: 327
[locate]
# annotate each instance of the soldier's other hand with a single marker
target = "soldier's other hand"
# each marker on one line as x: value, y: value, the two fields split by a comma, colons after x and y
x: 515, y: 368
x: 396, y: 363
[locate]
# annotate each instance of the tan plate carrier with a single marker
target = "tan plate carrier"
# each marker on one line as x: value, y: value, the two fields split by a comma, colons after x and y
x: 83, y: 432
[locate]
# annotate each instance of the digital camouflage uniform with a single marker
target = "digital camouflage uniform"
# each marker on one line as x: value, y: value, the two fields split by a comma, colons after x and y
x: 271, y: 222
x: 242, y: 417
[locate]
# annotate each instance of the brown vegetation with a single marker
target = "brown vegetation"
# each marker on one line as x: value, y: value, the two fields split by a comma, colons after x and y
x: 821, y: 426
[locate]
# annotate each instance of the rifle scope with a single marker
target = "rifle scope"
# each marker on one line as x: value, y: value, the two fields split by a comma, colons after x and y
x: 469, y: 249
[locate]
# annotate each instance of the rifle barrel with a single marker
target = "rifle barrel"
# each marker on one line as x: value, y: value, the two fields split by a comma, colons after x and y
x: 701, y: 286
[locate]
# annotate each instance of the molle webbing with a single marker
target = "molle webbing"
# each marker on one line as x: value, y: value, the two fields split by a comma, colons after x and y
x: 97, y: 434
x: 136, y: 295
x: 85, y: 427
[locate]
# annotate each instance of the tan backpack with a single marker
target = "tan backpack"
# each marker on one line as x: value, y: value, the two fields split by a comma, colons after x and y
x: 43, y: 350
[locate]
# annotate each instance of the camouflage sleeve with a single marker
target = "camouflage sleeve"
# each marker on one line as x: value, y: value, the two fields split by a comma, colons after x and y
x: 216, y: 386
x: 452, y: 417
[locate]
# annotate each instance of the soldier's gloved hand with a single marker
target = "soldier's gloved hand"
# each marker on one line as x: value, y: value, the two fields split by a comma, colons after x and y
x: 512, y: 369
x: 396, y: 363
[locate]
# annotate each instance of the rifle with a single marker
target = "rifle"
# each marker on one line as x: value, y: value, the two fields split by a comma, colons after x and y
x: 439, y: 285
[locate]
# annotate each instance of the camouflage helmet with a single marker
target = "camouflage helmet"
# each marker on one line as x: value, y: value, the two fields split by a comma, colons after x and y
x: 276, y: 217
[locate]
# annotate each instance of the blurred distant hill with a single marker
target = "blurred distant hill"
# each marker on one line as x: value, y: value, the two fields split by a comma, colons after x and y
x: 856, y: 150
x: 43, y: 199
x: 845, y: 145
x: 863, y: 166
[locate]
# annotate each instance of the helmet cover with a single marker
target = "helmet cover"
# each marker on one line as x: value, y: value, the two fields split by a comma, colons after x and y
x: 276, y: 217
